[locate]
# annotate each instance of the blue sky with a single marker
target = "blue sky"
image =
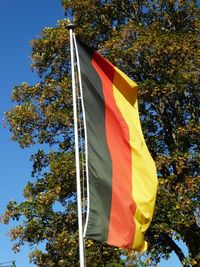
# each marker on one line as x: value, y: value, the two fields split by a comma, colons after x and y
x: 21, y: 21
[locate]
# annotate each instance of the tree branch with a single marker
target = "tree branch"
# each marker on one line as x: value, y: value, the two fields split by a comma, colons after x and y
x: 176, y: 249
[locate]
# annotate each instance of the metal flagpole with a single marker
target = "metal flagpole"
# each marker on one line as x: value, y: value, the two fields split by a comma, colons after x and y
x: 78, y: 182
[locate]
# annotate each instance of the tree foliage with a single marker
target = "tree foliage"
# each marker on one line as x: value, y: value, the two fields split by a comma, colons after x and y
x: 157, y: 44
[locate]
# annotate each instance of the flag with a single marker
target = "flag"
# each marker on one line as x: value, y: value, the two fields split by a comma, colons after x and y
x: 122, y: 174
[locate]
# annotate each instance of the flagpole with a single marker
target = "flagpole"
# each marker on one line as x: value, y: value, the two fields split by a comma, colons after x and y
x: 70, y: 27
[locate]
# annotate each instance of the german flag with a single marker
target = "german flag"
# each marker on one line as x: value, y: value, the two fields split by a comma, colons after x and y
x: 122, y: 174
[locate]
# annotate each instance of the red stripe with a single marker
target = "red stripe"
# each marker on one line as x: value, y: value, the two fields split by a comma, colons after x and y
x: 121, y: 226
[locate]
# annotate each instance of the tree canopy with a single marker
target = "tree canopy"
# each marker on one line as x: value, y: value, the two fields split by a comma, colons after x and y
x: 156, y: 43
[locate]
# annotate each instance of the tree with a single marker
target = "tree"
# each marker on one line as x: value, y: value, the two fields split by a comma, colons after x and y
x: 157, y: 44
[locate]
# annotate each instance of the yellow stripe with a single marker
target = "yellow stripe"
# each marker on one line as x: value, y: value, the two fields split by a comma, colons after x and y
x: 144, y: 178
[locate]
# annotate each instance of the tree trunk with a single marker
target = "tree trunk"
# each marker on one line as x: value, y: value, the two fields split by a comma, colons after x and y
x: 192, y: 240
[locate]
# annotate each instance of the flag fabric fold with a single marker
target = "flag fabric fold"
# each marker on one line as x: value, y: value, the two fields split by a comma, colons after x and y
x: 122, y: 174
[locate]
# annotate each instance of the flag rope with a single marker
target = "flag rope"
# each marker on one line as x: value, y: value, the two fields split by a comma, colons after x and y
x: 81, y: 144
x: 85, y: 132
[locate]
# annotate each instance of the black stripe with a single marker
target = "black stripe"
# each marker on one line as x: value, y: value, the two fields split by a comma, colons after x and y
x: 99, y: 160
